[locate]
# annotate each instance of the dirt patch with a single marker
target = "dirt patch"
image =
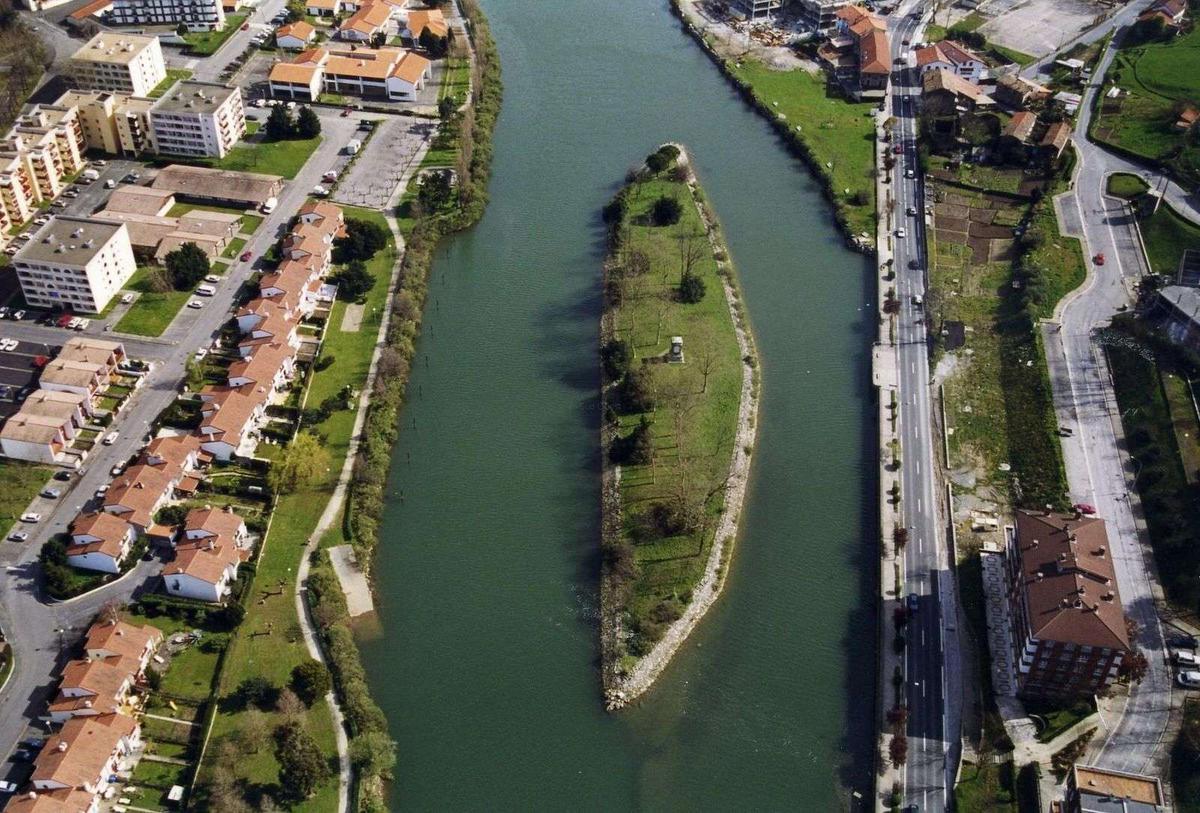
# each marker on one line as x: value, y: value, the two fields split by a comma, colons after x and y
x: 952, y: 224
x: 959, y: 199
x: 1003, y: 250
x: 980, y: 249
x: 990, y: 232
x: 950, y: 236
x: 982, y: 215
x: 952, y: 210
x: 735, y: 39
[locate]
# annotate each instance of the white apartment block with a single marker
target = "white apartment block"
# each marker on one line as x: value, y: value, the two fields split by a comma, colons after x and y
x: 75, y: 262
x: 125, y: 63
x: 197, y: 15
x: 198, y: 118
x: 114, y: 123
x: 42, y: 149
x: 821, y: 15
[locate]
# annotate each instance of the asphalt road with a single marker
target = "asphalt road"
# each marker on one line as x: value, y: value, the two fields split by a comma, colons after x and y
x: 1099, y: 472
x: 31, y: 622
x: 931, y: 655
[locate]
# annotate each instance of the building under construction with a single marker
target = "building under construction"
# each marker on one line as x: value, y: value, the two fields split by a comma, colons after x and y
x: 759, y: 9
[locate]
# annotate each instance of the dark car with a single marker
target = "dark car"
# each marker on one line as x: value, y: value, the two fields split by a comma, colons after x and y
x: 62, y: 474
x: 1182, y: 641
x: 246, y: 255
x: 912, y: 602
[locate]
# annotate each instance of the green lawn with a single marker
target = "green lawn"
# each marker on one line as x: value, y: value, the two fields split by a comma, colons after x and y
x: 1179, y: 394
x: 152, y: 312
x: 206, y: 43
x: 840, y: 133
x: 693, y: 421
x: 1124, y: 185
x: 1156, y: 76
x: 1059, y: 718
x: 173, y: 75
x: 191, y: 673
x: 269, y: 157
x: 456, y: 79
x: 969, y: 23
x: 234, y: 248
x: 294, y: 519
x: 986, y: 788
x: 1166, y: 235
x: 22, y: 482
x: 1012, y: 55
x: 249, y: 223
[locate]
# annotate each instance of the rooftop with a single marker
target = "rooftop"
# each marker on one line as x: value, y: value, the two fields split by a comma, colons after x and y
x: 114, y: 47
x: 1117, y: 791
x: 68, y: 241
x: 190, y: 96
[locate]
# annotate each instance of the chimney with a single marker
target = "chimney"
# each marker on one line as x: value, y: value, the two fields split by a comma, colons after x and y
x: 62, y: 745
x: 1100, y: 551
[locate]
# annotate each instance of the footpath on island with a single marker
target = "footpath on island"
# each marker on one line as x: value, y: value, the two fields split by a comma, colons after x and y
x: 680, y: 401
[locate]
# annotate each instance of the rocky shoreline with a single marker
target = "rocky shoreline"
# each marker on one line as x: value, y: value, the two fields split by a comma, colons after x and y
x: 619, y: 689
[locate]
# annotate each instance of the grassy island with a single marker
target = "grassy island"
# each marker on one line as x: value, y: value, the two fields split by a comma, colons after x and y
x: 679, y: 401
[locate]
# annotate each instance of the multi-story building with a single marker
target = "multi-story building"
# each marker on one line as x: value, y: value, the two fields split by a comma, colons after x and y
x: 950, y: 56
x: 44, y: 147
x: 820, y: 15
x: 1068, y: 626
x: 1100, y: 790
x: 758, y: 9
x: 75, y: 262
x: 197, y: 15
x: 391, y: 73
x: 125, y: 63
x: 115, y: 123
x: 198, y: 118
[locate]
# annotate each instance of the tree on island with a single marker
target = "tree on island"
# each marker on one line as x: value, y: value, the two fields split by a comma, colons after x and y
x: 666, y: 211
x: 308, y: 124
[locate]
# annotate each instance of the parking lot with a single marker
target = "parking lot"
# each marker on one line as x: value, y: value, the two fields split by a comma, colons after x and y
x: 1038, y: 27
x: 19, y: 366
x: 384, y: 159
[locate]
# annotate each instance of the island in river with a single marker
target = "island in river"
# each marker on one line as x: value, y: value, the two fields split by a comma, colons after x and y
x: 680, y: 399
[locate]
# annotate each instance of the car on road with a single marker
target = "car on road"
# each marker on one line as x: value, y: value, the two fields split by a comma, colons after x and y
x: 898, y: 149
x: 110, y: 184
x: 62, y: 474
x: 18, y: 536
x: 111, y: 438
x: 918, y: 300
x: 908, y: 173
x: 19, y: 315
x: 1185, y: 657
x: 911, y: 602
x: 1189, y: 679
x: 50, y: 493
x: 245, y: 26
x: 212, y: 278
x: 195, y: 304
x: 1099, y: 258
x: 22, y: 755
x: 900, y: 232
x: 117, y: 469
x: 912, y: 211
x: 83, y: 324
x: 200, y: 354
x: 1182, y: 641
x: 320, y: 191
x: 345, y: 112
x: 1085, y: 508
x: 245, y: 257
x: 8, y: 787
x: 31, y: 516
x: 102, y: 490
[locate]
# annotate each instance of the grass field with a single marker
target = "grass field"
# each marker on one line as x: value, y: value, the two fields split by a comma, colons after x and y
x: 839, y: 132
x: 1166, y: 235
x: 174, y: 75
x: 693, y: 422
x: 153, y: 311
x: 22, y: 481
x: 269, y: 157
x: 1124, y: 185
x: 207, y: 43
x: 986, y: 788
x: 234, y: 248
x: 249, y: 224
x: 456, y: 81
x: 1179, y: 394
x: 1156, y: 76
x: 294, y: 518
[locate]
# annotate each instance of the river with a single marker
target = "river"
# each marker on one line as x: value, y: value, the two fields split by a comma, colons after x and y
x: 486, y: 655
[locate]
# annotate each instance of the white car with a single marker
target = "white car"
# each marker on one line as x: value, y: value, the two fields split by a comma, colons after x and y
x: 8, y: 787
x: 1185, y: 658
x: 1189, y: 679
x: 201, y: 353
x: 212, y: 278
x: 908, y: 173
x: 31, y: 516
x: 73, y: 324
x: 99, y: 163
x: 320, y: 191
x: 900, y: 232
x: 116, y: 470
x: 18, y: 536
x: 111, y: 438
x: 83, y: 324
x: 101, y: 491
x: 195, y: 304
x: 126, y: 299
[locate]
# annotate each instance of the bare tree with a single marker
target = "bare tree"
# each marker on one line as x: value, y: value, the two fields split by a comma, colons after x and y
x: 691, y: 249
x: 661, y: 309
x: 706, y: 357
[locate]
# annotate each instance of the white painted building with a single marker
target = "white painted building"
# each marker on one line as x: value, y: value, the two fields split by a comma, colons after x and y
x: 198, y: 118
x: 124, y: 63
x: 75, y: 262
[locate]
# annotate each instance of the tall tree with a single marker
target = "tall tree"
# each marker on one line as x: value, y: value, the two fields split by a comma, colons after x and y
x: 302, y: 766
x: 303, y: 461
x: 308, y: 124
x: 186, y: 266
x: 279, y: 124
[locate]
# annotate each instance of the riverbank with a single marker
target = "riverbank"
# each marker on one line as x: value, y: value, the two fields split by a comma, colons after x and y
x: 675, y: 409
x: 832, y: 135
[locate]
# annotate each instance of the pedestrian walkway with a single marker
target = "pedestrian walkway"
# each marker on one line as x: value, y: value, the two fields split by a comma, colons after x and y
x: 166, y: 760
x: 169, y: 719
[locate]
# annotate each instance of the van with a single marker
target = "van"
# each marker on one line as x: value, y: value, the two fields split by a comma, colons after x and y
x: 110, y: 184
x: 206, y: 290
x: 353, y: 146
x: 91, y: 173
x: 269, y: 206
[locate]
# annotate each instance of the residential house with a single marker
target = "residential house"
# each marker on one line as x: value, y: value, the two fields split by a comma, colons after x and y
x: 137, y: 494
x: 37, y: 438
x: 204, y: 568
x: 947, y: 55
x: 86, y: 754
x: 1068, y: 628
x: 366, y: 23
x: 1170, y: 12
x: 322, y: 8
x: 92, y: 687
x: 100, y: 541
x: 93, y: 351
x: 215, y: 523
x: 120, y: 639
x: 1057, y: 136
x: 1014, y: 92
x: 295, y: 36
x: 258, y: 310
x: 229, y: 418
x: 1019, y: 129
x: 275, y: 329
x: 418, y: 20
x: 57, y: 801
x: 296, y: 280
x: 872, y: 50
x: 947, y: 90
x: 390, y: 73
x: 272, y: 366
x: 174, y: 452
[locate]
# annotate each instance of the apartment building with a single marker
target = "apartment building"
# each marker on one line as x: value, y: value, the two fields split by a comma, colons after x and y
x: 114, y: 123
x: 39, y: 152
x: 124, y: 63
x: 1067, y: 623
x: 390, y: 73
x: 197, y: 15
x: 820, y: 15
x: 75, y: 262
x: 1100, y: 790
x: 198, y: 118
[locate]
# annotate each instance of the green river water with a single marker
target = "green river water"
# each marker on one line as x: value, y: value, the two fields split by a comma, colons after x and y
x: 485, y: 659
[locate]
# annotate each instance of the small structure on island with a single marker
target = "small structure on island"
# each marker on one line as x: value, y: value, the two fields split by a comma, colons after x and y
x: 675, y: 354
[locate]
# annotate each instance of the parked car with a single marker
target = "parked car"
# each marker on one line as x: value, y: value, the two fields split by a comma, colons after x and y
x: 19, y: 315
x: 115, y: 471
x: 195, y: 304
x: 1189, y: 679
x: 126, y: 299
x: 1085, y: 508
x: 18, y: 536
x: 245, y: 257
x: 110, y: 184
x: 911, y: 602
x: 111, y: 438
x: 31, y: 516
x: 8, y: 787
x: 62, y: 474
x: 1099, y: 258
x: 212, y: 278
x: 1185, y: 657
x: 1182, y: 641
x: 83, y: 324
x: 201, y: 353
x: 102, y: 490
x: 50, y: 493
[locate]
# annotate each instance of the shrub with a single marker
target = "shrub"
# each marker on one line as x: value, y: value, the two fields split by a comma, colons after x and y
x: 310, y: 681
x: 666, y: 211
x: 634, y: 394
x: 616, y: 357
x: 691, y: 288
x: 635, y: 449
x: 256, y: 691
x: 614, y: 210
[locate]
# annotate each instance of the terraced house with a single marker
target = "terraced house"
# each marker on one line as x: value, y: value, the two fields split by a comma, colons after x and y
x: 390, y: 73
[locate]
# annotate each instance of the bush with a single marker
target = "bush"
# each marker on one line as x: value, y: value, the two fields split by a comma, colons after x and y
x: 636, y: 449
x: 186, y: 266
x: 666, y: 211
x: 310, y: 681
x: 691, y: 288
x: 634, y: 394
x: 614, y: 211
x: 256, y: 691
x: 616, y: 358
